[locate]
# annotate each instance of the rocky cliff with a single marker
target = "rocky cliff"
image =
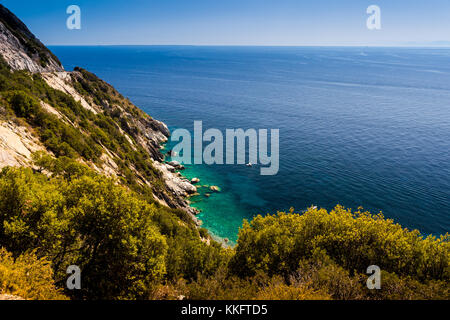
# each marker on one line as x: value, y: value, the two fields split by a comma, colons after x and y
x: 21, y: 49
x: 84, y: 117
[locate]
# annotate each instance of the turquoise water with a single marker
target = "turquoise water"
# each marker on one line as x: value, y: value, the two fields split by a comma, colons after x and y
x: 358, y: 126
x: 220, y: 212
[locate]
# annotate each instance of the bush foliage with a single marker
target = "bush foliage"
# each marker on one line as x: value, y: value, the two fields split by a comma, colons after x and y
x: 332, y: 250
x: 27, y: 277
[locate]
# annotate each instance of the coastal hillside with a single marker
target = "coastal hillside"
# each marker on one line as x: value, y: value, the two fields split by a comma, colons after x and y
x: 98, y: 126
x: 83, y: 182
x: 57, y: 124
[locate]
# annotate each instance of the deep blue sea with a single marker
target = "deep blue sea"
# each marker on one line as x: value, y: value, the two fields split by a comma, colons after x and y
x: 363, y: 127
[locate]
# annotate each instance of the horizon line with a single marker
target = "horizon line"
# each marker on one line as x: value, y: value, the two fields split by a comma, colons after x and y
x: 253, y: 45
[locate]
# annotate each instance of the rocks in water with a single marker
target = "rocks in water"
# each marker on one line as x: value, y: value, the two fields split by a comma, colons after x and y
x: 180, y: 187
x: 176, y: 165
x: 214, y: 188
x: 211, y: 190
x: 195, y: 180
x: 171, y: 169
x: 189, y: 188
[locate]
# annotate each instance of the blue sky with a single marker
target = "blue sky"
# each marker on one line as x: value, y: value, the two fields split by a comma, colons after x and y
x: 237, y: 22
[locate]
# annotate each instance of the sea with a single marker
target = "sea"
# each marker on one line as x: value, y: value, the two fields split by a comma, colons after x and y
x: 358, y: 126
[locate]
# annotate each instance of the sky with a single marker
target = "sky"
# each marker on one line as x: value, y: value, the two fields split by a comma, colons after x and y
x: 237, y: 22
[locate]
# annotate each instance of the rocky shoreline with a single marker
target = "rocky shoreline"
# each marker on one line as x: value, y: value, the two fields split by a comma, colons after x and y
x: 181, y: 187
x: 184, y: 188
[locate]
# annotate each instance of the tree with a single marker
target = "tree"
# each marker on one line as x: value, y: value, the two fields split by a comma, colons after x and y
x: 91, y: 222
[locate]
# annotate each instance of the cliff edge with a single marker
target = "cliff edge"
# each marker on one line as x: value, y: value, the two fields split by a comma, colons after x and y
x: 76, y: 114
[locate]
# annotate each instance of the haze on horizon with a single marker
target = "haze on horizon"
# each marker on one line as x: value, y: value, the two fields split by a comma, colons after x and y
x: 238, y: 22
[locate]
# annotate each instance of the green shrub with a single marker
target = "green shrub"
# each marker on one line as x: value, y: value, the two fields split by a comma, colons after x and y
x: 27, y: 277
x: 23, y: 105
x: 88, y: 221
x: 276, y: 244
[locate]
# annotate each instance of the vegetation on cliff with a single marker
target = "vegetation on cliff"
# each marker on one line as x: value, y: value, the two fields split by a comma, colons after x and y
x: 64, y: 211
x: 79, y: 133
x: 128, y: 248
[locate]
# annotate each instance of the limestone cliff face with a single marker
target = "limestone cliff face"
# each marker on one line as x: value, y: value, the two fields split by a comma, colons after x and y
x: 22, y: 51
x: 16, y: 145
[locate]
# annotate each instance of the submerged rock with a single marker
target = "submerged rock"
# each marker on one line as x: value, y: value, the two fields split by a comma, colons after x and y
x: 214, y: 188
x: 195, y: 180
